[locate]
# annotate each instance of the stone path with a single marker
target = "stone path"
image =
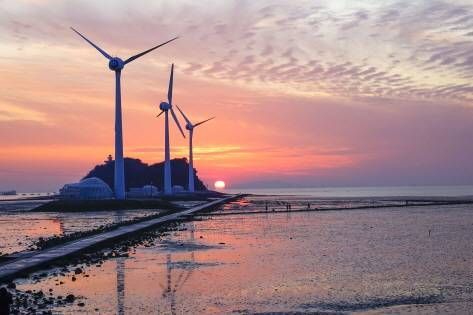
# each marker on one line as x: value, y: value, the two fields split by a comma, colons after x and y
x: 18, y: 266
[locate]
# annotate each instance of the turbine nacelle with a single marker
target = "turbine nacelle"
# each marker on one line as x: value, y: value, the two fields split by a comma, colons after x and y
x: 116, y: 64
x: 164, y: 106
x: 189, y: 126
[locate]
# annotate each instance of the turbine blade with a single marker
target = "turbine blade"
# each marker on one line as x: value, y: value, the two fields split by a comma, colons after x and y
x: 200, y: 123
x: 185, y: 118
x: 177, y: 122
x: 103, y: 52
x: 147, y: 51
x: 171, y: 79
x: 160, y: 113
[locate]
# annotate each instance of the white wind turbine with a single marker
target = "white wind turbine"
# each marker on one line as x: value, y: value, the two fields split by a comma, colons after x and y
x: 190, y: 127
x: 165, y: 107
x: 116, y: 64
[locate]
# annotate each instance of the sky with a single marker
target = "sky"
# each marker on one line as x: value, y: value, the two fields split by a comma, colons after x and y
x: 306, y: 93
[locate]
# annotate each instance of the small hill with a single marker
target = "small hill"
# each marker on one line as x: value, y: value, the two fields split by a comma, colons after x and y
x: 138, y: 174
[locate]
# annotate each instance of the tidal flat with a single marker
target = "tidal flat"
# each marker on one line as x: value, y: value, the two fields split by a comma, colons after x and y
x: 388, y: 260
x: 20, y: 230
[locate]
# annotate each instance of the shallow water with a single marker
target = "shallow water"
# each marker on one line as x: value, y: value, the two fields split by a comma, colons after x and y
x: 376, y: 191
x: 20, y: 229
x: 367, y: 261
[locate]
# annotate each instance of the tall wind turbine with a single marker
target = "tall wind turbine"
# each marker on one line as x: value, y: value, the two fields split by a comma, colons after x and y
x: 190, y: 127
x: 165, y: 108
x: 116, y: 64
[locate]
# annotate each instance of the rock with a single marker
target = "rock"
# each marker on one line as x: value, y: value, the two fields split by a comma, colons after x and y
x: 73, y: 278
x: 5, y: 301
x: 81, y: 304
x: 78, y: 271
x: 11, y: 285
x: 70, y: 298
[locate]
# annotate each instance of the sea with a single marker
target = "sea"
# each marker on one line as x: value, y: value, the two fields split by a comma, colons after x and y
x: 367, y: 252
x: 371, y: 191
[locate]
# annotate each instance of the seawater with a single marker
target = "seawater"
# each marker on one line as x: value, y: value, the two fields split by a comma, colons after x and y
x: 414, y: 260
x: 342, y: 192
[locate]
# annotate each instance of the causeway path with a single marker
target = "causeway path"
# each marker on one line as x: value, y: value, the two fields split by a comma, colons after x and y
x: 19, y: 266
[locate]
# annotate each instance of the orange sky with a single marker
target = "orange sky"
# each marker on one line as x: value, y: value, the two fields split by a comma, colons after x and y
x: 333, y: 93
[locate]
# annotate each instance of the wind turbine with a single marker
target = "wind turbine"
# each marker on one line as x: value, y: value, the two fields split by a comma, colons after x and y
x: 116, y: 64
x: 165, y: 108
x: 190, y: 127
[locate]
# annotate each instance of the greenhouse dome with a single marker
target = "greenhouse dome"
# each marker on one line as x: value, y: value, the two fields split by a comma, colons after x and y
x: 89, y: 188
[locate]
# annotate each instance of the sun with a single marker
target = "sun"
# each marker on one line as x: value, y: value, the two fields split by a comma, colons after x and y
x: 220, y: 184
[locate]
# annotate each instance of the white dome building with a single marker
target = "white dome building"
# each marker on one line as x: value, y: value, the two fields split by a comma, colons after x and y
x: 89, y: 188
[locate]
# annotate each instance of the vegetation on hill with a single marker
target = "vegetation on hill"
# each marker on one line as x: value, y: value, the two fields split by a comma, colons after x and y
x: 138, y: 174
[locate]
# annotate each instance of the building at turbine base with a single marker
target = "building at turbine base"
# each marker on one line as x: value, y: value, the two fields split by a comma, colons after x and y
x: 177, y: 189
x: 147, y: 191
x: 89, y: 188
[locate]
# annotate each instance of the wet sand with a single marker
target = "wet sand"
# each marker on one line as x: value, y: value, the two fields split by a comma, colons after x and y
x: 360, y: 261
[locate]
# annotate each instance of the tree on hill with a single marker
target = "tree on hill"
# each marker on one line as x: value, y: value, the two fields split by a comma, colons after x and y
x: 138, y: 174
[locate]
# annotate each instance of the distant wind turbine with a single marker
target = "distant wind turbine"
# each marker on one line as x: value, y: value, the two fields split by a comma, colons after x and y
x: 116, y: 64
x: 165, y: 107
x: 190, y: 127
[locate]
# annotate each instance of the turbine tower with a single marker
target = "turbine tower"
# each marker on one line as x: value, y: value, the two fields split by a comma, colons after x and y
x: 116, y: 64
x: 190, y: 127
x: 165, y: 108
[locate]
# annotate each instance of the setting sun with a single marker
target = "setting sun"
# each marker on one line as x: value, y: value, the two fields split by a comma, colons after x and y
x: 220, y: 184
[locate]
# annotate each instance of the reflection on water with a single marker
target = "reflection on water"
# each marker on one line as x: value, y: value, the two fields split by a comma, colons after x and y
x: 407, y: 260
x: 171, y: 284
x: 120, y: 285
x: 19, y: 230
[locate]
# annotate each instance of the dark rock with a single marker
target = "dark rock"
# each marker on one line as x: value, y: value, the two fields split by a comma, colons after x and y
x: 70, y: 298
x: 78, y: 271
x: 81, y: 304
x: 5, y: 301
x: 11, y: 285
